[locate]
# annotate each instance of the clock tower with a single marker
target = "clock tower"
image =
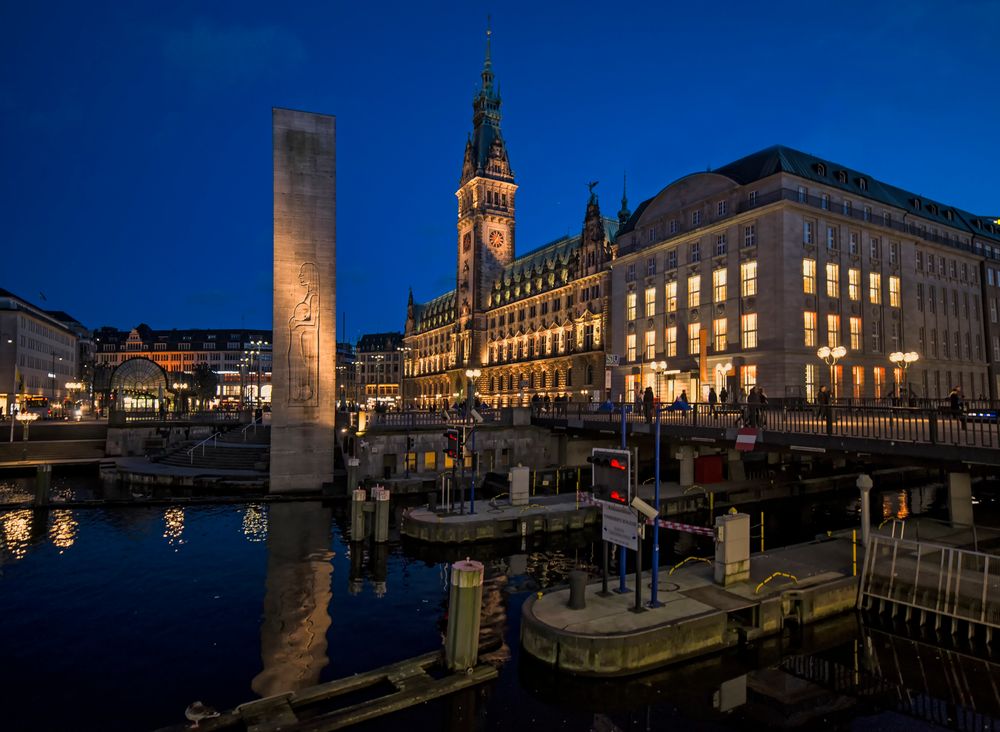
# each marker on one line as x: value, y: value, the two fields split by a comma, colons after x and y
x: 485, y: 220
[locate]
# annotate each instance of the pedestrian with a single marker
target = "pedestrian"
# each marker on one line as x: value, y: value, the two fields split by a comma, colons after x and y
x: 957, y: 405
x: 763, y: 405
x: 824, y: 406
x: 545, y: 403
x: 713, y: 399
x: 753, y: 407
x: 724, y: 396
x: 647, y: 404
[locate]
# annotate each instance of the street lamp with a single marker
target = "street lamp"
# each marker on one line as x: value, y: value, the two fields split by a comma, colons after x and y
x: 471, y: 375
x: 181, y: 387
x: 830, y: 356
x: 658, y: 368
x: 12, y: 397
x: 403, y: 350
x: 903, y: 360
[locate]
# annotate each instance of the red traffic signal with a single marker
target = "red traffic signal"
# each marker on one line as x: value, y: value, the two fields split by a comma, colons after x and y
x: 611, y: 480
x: 453, y: 444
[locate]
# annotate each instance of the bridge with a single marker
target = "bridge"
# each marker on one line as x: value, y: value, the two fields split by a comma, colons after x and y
x: 929, y: 433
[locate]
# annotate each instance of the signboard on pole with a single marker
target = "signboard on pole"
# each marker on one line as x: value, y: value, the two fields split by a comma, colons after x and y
x: 746, y: 438
x: 619, y: 525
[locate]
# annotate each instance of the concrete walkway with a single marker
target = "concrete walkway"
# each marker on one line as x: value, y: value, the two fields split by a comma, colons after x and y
x: 696, y: 617
x: 499, y: 519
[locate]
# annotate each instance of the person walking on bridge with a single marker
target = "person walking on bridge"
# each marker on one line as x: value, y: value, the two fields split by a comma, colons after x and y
x: 957, y: 405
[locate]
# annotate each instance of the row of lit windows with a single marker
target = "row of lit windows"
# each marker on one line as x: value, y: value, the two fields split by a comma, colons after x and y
x: 719, y: 338
x: 748, y: 288
x: 720, y: 246
x: 545, y: 344
x: 853, y: 283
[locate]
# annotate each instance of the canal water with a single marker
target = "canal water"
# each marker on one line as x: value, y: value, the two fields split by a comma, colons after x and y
x: 118, y: 618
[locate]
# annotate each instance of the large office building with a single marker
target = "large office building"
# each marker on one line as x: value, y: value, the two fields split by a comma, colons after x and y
x: 378, y: 374
x: 514, y: 326
x: 38, y: 353
x: 240, y: 357
x: 738, y: 276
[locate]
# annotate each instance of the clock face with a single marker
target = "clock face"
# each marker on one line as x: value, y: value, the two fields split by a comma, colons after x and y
x: 496, y: 239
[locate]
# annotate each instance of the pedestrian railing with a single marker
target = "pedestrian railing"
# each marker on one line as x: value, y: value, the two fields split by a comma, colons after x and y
x: 939, y: 582
x: 213, y: 438
x: 937, y: 425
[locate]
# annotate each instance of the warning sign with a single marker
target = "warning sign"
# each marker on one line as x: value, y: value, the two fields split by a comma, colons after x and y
x: 619, y: 525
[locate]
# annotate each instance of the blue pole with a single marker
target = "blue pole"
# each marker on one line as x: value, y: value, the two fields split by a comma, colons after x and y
x: 622, y: 554
x: 472, y: 478
x: 655, y: 598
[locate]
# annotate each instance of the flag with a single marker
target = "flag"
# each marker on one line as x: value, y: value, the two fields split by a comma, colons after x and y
x: 746, y: 437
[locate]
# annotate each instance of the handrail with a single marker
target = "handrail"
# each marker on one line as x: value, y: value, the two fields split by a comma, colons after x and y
x: 252, y: 424
x: 213, y: 437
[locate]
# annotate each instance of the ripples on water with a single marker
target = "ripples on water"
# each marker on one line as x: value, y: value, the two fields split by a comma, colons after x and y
x: 127, y: 615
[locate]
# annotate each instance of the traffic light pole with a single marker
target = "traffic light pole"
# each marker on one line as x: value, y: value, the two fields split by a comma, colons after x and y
x: 475, y: 471
x: 461, y: 481
x: 622, y: 555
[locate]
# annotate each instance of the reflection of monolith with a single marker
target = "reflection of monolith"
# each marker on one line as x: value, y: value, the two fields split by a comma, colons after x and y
x: 303, y: 396
x: 297, y: 598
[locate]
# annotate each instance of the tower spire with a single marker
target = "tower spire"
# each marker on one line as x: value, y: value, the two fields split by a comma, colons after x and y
x: 488, y: 62
x: 623, y: 212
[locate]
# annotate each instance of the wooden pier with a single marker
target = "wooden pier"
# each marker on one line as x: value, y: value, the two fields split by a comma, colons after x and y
x: 349, y: 701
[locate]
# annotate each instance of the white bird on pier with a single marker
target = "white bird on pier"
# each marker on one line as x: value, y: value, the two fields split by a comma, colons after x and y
x: 198, y: 711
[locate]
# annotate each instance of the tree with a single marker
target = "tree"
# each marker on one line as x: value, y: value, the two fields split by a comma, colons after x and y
x: 205, y: 382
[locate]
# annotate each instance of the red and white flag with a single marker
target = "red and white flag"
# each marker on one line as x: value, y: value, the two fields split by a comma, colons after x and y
x: 746, y: 437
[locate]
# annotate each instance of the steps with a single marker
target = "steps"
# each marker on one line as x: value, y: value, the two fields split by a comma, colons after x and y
x: 223, y: 456
x: 236, y: 436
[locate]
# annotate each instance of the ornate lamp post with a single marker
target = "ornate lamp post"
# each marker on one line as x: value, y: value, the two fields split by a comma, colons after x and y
x: 830, y: 356
x: 903, y: 360
x: 722, y: 373
x: 26, y: 418
x: 658, y: 368
x: 404, y: 357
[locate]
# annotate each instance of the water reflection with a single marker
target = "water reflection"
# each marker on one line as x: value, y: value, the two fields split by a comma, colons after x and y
x: 297, y: 598
x: 255, y: 522
x: 63, y: 527
x: 15, y: 529
x: 173, y: 526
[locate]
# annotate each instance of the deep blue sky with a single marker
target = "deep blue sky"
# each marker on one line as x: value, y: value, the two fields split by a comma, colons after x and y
x: 136, y: 139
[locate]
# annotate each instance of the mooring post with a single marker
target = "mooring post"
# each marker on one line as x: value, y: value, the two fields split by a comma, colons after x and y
x: 461, y: 649
x: 864, y: 484
x: 381, y: 498
x: 43, y: 482
x: 358, y: 532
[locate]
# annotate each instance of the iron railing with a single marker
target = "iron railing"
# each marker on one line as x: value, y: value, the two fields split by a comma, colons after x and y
x: 940, y: 581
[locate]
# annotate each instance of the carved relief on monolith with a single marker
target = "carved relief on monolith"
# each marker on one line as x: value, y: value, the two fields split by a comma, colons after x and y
x: 303, y: 341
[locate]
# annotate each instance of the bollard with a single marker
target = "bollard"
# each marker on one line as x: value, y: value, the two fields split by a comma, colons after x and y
x: 461, y: 645
x: 381, y: 497
x: 577, y: 589
x: 864, y: 484
x: 43, y: 482
x: 358, y: 532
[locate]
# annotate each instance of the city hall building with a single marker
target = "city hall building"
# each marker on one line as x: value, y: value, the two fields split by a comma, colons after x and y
x: 736, y: 277
x: 530, y: 325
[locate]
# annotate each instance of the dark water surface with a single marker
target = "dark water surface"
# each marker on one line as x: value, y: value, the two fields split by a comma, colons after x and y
x: 118, y: 618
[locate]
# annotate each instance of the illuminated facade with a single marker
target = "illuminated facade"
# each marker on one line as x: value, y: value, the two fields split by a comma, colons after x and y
x: 241, y: 358
x: 38, y: 353
x: 378, y: 367
x: 531, y: 325
x: 737, y: 276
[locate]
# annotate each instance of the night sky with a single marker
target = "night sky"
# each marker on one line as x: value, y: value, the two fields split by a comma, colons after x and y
x: 136, y: 137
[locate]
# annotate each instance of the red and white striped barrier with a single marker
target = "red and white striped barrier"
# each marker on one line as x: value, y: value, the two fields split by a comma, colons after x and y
x: 664, y: 524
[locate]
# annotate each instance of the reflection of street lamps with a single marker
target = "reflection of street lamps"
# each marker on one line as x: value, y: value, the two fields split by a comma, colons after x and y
x: 658, y: 368
x: 830, y: 356
x: 904, y: 360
